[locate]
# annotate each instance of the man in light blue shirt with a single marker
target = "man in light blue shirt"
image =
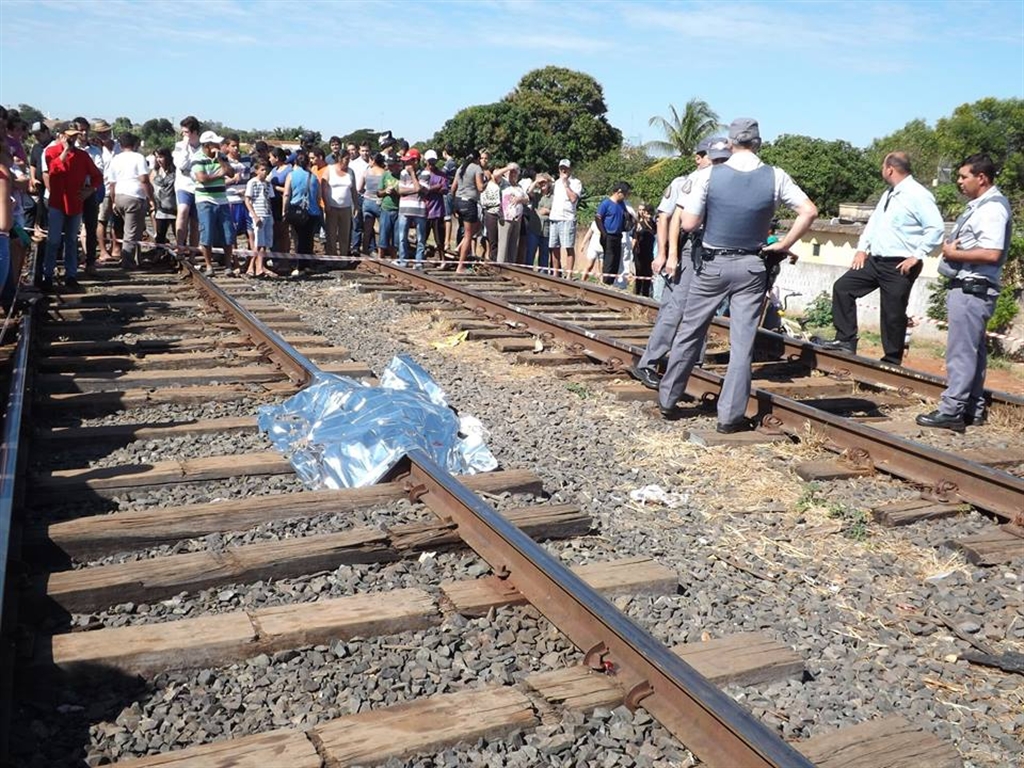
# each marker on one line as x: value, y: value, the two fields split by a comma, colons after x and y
x: 904, y: 228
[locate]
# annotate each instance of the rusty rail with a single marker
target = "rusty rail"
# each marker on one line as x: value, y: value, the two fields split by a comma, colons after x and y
x: 907, y: 381
x: 299, y: 368
x: 707, y: 721
x: 947, y: 475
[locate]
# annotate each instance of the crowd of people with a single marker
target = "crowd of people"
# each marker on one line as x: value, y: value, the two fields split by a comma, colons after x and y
x: 396, y: 203
x: 706, y: 246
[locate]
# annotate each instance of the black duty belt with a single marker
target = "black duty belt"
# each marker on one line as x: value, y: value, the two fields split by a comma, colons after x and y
x: 710, y: 254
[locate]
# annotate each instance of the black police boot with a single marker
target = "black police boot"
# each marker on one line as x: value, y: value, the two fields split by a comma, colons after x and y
x: 670, y: 414
x: 742, y: 425
x: 976, y: 419
x: 940, y: 420
x: 649, y: 377
x: 839, y: 346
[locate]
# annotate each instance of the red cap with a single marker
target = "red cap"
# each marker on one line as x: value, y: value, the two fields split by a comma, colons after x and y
x: 412, y: 154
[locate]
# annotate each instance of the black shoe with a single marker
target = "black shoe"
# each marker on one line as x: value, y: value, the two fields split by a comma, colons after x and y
x: 72, y: 285
x: 940, y: 420
x: 839, y: 346
x: 46, y: 286
x: 670, y: 414
x: 743, y: 425
x: 978, y: 419
x: 649, y: 377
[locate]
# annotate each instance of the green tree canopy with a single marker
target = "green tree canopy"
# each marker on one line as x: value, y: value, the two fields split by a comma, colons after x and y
x: 830, y: 172
x: 552, y: 113
x: 683, y: 132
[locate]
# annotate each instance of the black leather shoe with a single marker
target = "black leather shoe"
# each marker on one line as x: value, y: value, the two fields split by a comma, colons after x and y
x: 649, y: 377
x: 670, y: 414
x: 940, y: 420
x: 743, y: 425
x: 71, y: 285
x: 977, y: 419
x: 839, y: 346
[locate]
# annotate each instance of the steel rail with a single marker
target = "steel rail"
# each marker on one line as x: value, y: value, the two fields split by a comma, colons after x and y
x: 949, y: 476
x: 10, y: 450
x: 11, y: 459
x: 700, y: 715
x: 296, y: 365
x: 843, y: 365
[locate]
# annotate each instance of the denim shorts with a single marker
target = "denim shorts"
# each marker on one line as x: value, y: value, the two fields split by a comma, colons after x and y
x: 215, y: 227
x: 388, y: 228
x: 264, y: 233
x: 240, y: 217
x: 467, y: 210
x: 189, y: 199
x: 563, y: 234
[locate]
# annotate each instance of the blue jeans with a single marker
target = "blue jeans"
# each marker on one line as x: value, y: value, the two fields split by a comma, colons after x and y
x: 371, y: 215
x: 535, y: 243
x: 404, y: 223
x: 62, y: 227
x: 388, y: 227
x: 356, y: 237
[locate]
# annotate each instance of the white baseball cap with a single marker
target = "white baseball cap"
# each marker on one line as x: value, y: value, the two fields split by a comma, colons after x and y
x: 564, y: 163
x: 211, y: 137
x: 430, y: 155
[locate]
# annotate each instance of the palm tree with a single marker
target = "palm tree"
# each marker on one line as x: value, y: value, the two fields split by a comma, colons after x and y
x: 684, y: 132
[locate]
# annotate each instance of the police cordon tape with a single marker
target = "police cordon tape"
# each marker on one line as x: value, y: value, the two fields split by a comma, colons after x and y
x: 348, y: 260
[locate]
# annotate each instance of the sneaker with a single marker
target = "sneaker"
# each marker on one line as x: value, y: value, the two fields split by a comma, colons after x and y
x: 940, y: 420
x: 72, y: 285
x: 209, y: 272
x: 296, y: 273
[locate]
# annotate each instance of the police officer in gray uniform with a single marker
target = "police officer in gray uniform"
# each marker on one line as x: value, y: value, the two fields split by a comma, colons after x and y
x: 973, y: 256
x: 674, y: 267
x: 736, y: 201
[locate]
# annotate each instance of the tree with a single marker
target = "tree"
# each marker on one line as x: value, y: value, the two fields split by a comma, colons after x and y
x: 157, y: 132
x: 684, y: 132
x: 361, y: 135
x: 552, y: 113
x: 30, y: 114
x: 830, y: 172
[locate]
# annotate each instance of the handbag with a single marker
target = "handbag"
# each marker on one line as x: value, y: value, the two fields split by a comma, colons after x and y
x: 298, y: 213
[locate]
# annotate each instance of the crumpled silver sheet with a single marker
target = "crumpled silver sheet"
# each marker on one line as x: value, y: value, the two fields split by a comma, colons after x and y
x: 341, y: 433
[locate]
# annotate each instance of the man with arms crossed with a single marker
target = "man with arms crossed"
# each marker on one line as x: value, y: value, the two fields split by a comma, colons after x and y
x: 736, y: 201
x: 973, y: 256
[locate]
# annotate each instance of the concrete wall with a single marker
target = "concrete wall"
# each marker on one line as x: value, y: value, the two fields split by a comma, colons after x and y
x: 809, y: 279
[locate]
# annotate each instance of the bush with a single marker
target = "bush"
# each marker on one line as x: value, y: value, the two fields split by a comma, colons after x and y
x: 936, y: 309
x: 1006, y: 309
x: 818, y: 314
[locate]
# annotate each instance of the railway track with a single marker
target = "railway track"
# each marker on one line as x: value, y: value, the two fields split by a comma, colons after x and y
x: 159, y: 361
x: 608, y: 327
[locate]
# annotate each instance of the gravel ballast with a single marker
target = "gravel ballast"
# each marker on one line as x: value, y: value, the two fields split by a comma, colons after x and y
x: 754, y: 547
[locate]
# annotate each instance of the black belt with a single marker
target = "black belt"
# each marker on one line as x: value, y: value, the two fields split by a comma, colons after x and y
x: 891, y: 258
x: 710, y: 254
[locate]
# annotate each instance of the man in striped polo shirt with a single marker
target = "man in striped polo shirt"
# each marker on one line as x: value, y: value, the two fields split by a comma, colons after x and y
x: 210, y: 169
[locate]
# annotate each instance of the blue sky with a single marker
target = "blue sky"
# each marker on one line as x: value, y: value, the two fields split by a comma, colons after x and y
x: 834, y: 70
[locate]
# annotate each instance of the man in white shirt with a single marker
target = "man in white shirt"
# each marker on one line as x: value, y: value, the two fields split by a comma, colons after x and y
x: 565, y: 196
x: 127, y: 181
x: 358, y: 165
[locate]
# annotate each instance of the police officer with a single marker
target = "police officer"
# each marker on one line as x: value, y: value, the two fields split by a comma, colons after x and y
x: 973, y: 256
x: 674, y: 266
x: 736, y: 201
